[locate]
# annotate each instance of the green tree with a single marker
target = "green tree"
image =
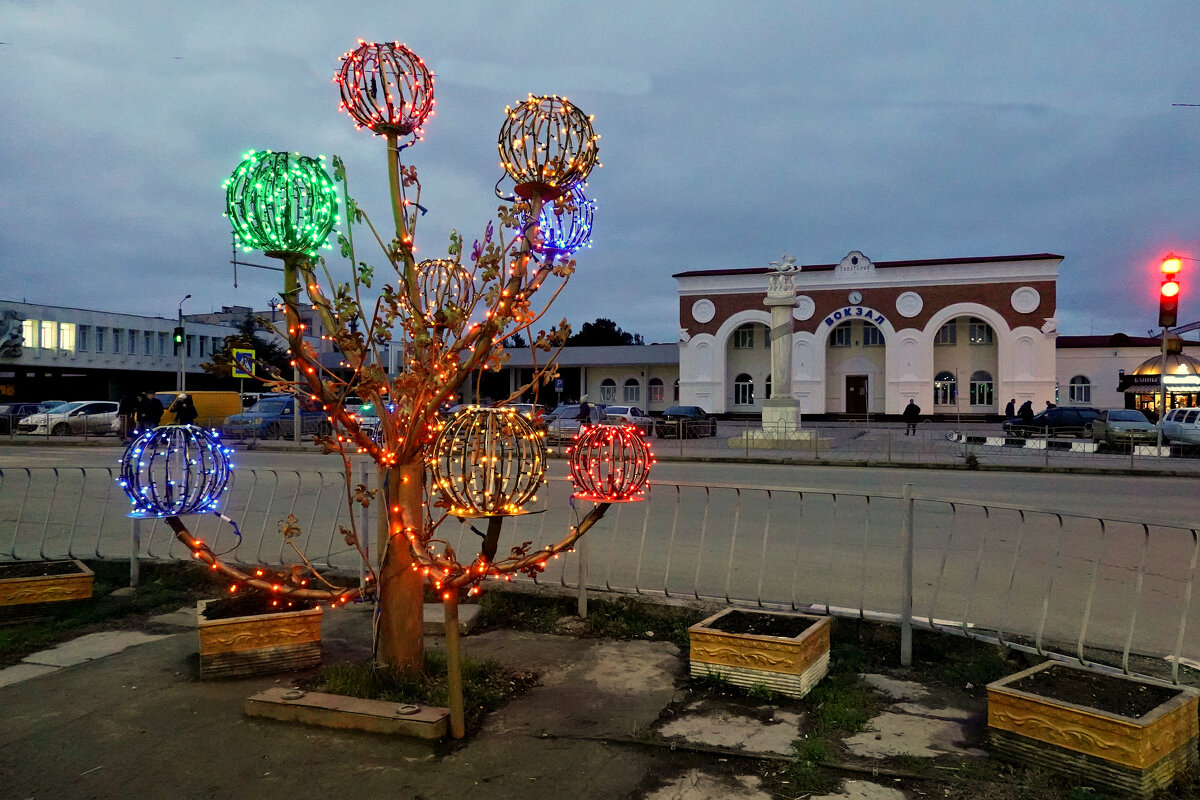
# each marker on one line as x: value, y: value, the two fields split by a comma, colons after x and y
x: 269, y: 354
x: 603, y: 332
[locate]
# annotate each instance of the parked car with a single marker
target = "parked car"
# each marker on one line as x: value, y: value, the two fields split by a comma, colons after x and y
x: 630, y: 415
x: 1121, y: 426
x: 79, y: 417
x: 1057, y: 421
x: 11, y: 413
x: 686, y: 422
x: 563, y: 422
x: 1181, y: 426
x: 368, y: 419
x: 272, y: 417
x: 536, y: 414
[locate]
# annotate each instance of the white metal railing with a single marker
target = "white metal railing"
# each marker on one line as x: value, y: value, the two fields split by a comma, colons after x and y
x: 1091, y: 588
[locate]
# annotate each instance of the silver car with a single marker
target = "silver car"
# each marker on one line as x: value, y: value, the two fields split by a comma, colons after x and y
x: 80, y: 417
x: 1117, y: 426
x: 563, y: 422
x: 630, y: 415
x: 1181, y: 426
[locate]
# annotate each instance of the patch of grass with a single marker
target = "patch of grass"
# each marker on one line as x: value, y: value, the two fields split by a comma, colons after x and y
x: 761, y: 693
x: 487, y: 685
x: 628, y: 618
x: 522, y: 612
x: 841, y: 705
x: 805, y: 770
x: 162, y: 588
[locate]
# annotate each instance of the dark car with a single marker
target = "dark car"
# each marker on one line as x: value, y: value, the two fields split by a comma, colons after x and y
x: 11, y: 412
x: 687, y: 422
x: 1057, y: 421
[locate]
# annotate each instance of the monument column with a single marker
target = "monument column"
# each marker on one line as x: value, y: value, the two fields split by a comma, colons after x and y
x: 781, y: 411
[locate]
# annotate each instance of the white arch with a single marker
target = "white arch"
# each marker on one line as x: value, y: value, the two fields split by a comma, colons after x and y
x: 988, y: 315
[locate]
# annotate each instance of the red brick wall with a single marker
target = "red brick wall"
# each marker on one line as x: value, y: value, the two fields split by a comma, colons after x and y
x: 996, y: 296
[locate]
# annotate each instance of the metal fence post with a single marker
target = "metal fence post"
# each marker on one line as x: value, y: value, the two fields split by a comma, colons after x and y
x: 581, y: 550
x: 135, y: 551
x: 907, y: 594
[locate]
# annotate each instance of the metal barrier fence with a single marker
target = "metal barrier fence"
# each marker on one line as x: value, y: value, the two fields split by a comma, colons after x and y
x: 1107, y: 590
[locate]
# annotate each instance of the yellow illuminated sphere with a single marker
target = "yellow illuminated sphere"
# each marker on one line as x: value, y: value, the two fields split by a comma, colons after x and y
x: 488, y: 462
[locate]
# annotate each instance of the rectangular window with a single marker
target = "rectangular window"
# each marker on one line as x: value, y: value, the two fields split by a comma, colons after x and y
x: 981, y: 393
x: 66, y: 335
x: 132, y: 342
x: 872, y: 336
x: 608, y: 393
x: 191, y: 345
x: 656, y: 393
x: 29, y: 329
x: 947, y: 334
x: 203, y: 346
x: 633, y: 393
x: 1079, y: 393
x: 743, y: 394
x: 100, y: 338
x: 49, y: 339
x: 82, y: 341
x: 841, y: 336
x: 162, y: 344
x: 116, y: 337
x: 981, y: 332
x: 743, y: 338
x: 147, y: 343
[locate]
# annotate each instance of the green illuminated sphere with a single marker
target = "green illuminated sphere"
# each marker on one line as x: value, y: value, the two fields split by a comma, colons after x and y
x: 281, y: 203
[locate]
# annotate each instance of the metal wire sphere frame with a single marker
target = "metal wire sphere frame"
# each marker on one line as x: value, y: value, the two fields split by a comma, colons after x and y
x: 281, y: 202
x: 488, y: 462
x: 610, y: 464
x: 386, y: 88
x: 174, y: 470
x: 562, y: 234
x: 547, y: 145
x: 443, y: 284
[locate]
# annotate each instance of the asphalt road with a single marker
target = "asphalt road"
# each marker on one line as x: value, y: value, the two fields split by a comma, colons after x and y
x: 748, y: 532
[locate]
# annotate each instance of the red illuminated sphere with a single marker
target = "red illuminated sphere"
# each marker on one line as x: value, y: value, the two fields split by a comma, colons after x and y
x: 610, y: 464
x: 386, y: 87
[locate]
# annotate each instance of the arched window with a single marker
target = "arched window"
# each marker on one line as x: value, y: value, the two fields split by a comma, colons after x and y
x: 982, y: 393
x: 1079, y: 390
x: 633, y: 391
x: 656, y: 390
x: 608, y: 391
x: 945, y: 389
x: 743, y: 390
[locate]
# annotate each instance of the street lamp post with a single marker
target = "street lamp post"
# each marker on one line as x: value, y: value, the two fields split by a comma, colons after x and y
x: 182, y: 349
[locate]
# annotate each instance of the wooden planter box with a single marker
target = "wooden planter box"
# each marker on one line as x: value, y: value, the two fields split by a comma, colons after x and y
x: 790, y: 665
x: 1138, y: 755
x: 259, y: 644
x: 31, y: 598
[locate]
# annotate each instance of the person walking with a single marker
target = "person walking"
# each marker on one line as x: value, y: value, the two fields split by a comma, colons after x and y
x: 912, y: 415
x: 184, y: 409
x: 150, y: 411
x: 1010, y: 410
x: 127, y: 409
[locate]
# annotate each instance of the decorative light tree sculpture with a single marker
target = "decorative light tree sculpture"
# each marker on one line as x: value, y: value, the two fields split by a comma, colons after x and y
x: 453, y: 317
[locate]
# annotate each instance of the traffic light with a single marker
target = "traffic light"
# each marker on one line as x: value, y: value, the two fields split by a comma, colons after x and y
x: 178, y: 339
x: 1168, y: 293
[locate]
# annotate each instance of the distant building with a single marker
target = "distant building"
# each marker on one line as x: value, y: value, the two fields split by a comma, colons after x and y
x: 1120, y: 371
x: 958, y: 335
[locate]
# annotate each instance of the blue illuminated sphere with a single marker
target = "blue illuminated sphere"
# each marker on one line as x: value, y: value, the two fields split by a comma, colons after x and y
x: 174, y: 470
x: 563, y: 234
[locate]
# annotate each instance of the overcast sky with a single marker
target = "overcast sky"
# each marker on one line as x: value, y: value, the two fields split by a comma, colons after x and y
x: 731, y: 132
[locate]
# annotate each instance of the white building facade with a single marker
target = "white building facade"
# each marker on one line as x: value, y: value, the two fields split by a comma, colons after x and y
x: 955, y: 335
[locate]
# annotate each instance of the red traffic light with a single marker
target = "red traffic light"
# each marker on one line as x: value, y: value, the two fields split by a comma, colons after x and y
x: 1170, y: 264
x: 1170, y: 288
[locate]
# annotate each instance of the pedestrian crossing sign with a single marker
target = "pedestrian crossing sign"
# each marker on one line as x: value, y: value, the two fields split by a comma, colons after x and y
x: 243, y: 363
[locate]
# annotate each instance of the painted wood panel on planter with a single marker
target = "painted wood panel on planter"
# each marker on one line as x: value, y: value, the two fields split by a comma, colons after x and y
x: 31, y: 598
x: 788, y: 665
x: 258, y: 644
x: 1138, y: 755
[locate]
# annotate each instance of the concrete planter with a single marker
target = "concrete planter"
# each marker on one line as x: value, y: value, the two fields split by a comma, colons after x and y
x: 259, y: 644
x: 1138, y: 755
x: 788, y: 665
x: 30, y: 598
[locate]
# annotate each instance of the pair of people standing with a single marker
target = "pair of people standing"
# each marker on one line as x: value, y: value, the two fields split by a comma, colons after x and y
x: 1025, y: 412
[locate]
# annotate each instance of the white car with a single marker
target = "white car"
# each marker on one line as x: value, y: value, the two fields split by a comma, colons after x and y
x: 630, y: 415
x: 80, y: 417
x: 1181, y: 426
